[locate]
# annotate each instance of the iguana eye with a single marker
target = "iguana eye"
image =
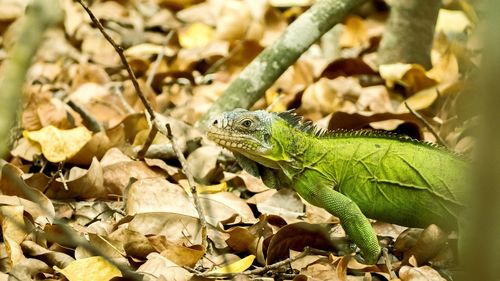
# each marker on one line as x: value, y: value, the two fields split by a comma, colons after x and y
x: 246, y: 123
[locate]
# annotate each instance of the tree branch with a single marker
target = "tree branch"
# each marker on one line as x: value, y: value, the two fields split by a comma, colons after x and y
x: 261, y: 73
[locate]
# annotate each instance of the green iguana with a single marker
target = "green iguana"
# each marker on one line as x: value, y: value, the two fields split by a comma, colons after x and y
x: 351, y: 174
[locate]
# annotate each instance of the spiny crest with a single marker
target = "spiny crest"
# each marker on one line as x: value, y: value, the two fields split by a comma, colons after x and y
x: 296, y: 121
x: 308, y: 127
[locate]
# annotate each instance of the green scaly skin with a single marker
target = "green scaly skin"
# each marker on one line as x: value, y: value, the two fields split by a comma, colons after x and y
x: 353, y: 175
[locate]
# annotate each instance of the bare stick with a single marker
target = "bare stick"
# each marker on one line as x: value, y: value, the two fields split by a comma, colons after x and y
x: 148, y: 142
x: 427, y: 125
x: 156, y: 63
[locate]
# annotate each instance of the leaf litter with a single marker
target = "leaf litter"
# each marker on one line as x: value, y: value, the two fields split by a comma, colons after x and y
x: 139, y: 211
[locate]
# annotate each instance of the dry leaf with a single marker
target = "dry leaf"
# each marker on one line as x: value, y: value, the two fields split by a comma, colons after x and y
x: 59, y: 145
x: 93, y: 268
x: 158, y: 265
x: 449, y: 21
x: 195, y: 35
x: 13, y: 232
x: 285, y: 203
x: 424, y: 273
x: 236, y: 267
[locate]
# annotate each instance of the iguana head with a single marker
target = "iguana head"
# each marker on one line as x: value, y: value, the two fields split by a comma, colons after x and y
x: 258, y: 135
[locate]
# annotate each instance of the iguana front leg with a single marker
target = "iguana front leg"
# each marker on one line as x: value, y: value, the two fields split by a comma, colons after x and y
x: 317, y: 190
x: 272, y: 178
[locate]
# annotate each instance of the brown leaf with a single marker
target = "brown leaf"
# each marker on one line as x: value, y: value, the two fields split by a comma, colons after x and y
x: 81, y: 183
x: 424, y: 273
x: 14, y: 231
x: 297, y: 236
x: 151, y: 194
x: 203, y: 164
x: 181, y: 255
x: 158, y: 265
x: 178, y: 228
x: 285, y: 203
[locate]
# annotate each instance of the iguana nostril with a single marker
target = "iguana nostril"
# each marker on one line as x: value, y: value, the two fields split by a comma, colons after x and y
x: 215, y: 122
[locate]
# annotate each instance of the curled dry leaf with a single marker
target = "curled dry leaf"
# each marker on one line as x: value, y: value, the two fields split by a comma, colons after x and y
x: 11, y: 183
x: 179, y: 254
x: 203, y: 164
x: 14, y: 231
x: 59, y: 145
x: 412, y: 77
x: 295, y: 237
x: 157, y: 265
x: 81, y: 183
x: 42, y: 109
x: 118, y: 169
x: 51, y: 258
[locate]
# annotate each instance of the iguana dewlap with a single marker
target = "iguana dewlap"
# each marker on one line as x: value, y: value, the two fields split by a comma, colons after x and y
x: 351, y: 174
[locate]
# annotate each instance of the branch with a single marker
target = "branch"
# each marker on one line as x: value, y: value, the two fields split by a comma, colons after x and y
x: 427, y: 125
x: 261, y: 73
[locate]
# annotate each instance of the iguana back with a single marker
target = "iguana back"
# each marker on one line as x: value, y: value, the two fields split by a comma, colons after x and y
x: 392, y: 178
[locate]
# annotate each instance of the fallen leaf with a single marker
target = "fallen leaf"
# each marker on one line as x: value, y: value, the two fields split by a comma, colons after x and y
x: 14, y: 232
x: 158, y: 265
x: 295, y: 237
x: 179, y: 254
x: 93, y: 268
x: 59, y: 145
x: 449, y: 21
x: 195, y: 35
x: 236, y: 267
x: 424, y: 273
x: 285, y: 203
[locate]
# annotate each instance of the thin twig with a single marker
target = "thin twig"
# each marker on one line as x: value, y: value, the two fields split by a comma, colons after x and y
x: 167, y: 131
x: 156, y: 63
x: 260, y: 270
x: 115, y: 89
x: 92, y: 123
x: 119, y: 51
x: 427, y: 125
x: 148, y: 142
x: 160, y: 126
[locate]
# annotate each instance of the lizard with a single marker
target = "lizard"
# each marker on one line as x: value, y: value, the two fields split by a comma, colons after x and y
x: 354, y: 175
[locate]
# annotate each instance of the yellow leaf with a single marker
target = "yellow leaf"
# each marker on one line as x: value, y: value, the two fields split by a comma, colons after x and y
x: 59, y: 145
x: 236, y: 267
x: 412, y: 77
x: 196, y: 35
x: 93, y: 268
x: 274, y: 98
x: 420, y: 100
x: 452, y: 21
x: 147, y: 49
x: 211, y: 188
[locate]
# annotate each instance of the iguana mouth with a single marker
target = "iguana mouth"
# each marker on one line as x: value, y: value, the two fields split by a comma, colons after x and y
x: 233, y: 141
